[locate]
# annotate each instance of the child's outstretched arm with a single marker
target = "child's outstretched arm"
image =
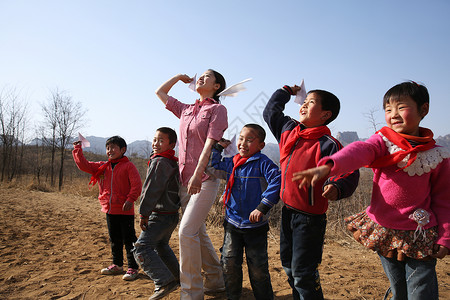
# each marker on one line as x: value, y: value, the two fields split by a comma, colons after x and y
x: 82, y: 163
x: 311, y: 176
x: 163, y: 90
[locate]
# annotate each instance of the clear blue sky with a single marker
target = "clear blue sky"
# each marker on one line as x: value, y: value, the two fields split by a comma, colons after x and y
x: 112, y: 55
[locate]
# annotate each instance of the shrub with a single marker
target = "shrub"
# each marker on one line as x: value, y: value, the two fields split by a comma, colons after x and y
x: 337, y: 211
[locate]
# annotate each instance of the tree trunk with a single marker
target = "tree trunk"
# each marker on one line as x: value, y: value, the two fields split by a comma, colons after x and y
x: 61, y: 170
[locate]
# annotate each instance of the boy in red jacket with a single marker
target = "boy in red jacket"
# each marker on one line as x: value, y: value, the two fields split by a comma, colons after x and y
x: 119, y: 185
x: 303, y: 217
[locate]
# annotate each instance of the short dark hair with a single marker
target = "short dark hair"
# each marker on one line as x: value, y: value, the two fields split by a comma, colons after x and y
x: 220, y: 80
x: 260, y: 132
x: 417, y: 92
x: 170, y: 132
x: 329, y: 102
x: 116, y: 140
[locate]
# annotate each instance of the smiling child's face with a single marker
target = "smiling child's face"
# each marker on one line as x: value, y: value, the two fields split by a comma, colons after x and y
x: 248, y: 142
x: 113, y: 151
x: 311, y: 113
x: 403, y: 115
x: 161, y: 143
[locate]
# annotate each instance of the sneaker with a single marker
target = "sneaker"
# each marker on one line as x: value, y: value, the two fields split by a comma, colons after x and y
x: 161, y: 292
x: 112, y: 270
x: 131, y: 274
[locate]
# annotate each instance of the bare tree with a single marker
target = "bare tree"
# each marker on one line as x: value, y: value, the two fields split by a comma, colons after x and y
x: 370, y: 116
x: 48, y: 130
x: 63, y: 117
x: 13, y: 121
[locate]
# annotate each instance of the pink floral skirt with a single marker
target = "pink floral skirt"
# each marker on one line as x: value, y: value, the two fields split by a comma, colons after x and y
x: 391, y: 242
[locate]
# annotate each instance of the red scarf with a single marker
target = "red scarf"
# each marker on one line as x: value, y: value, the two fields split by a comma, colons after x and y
x: 307, y: 134
x: 238, y: 160
x: 95, y: 177
x: 401, y: 140
x: 170, y: 154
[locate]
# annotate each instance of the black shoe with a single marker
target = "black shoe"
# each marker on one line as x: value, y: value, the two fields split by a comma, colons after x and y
x: 161, y: 292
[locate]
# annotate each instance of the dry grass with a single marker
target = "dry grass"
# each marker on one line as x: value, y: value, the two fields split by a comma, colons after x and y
x: 337, y: 212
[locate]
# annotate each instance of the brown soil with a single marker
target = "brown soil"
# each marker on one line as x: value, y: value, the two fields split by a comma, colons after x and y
x: 53, y: 246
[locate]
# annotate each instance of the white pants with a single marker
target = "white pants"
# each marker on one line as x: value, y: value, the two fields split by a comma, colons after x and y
x: 196, y: 249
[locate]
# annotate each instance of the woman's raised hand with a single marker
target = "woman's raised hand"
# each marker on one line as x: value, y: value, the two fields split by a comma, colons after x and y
x: 185, y: 78
x: 163, y: 90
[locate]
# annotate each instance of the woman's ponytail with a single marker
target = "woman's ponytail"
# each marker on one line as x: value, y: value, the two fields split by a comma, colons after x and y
x: 220, y: 80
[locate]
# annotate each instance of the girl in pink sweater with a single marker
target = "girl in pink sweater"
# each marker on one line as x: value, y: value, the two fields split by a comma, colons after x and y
x: 408, y: 220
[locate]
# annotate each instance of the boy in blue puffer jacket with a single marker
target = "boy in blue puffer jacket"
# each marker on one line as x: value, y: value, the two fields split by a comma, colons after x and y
x: 253, y: 187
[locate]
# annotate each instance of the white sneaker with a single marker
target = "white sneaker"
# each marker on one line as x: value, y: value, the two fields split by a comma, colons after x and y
x: 112, y: 270
x: 131, y: 274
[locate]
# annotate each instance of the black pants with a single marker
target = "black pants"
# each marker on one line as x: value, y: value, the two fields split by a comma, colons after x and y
x: 121, y: 232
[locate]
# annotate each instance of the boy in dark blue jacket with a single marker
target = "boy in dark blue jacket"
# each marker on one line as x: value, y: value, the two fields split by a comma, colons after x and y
x: 253, y: 187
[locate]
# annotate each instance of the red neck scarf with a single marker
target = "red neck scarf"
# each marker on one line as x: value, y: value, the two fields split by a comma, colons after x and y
x: 307, y: 134
x: 401, y: 140
x: 95, y: 177
x: 238, y: 160
x: 170, y: 154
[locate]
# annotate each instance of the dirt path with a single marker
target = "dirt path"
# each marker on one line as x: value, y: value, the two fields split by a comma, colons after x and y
x: 53, y: 246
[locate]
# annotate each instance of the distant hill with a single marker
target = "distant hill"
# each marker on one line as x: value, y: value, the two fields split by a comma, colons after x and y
x: 140, y: 148
x: 273, y: 152
x: 443, y: 141
x: 143, y: 148
x: 347, y: 137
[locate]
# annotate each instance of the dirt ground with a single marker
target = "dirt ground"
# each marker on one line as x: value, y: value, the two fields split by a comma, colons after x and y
x: 53, y: 246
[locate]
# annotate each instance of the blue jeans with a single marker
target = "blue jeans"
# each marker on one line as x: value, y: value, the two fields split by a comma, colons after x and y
x: 411, y: 278
x: 152, y: 250
x: 121, y: 232
x: 301, y: 246
x: 255, y: 243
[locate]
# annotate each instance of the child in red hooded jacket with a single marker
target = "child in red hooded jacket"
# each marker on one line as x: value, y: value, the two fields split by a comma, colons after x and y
x: 119, y: 185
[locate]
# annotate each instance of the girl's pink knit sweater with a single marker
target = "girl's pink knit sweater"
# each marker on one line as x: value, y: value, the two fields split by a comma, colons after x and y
x: 398, y: 193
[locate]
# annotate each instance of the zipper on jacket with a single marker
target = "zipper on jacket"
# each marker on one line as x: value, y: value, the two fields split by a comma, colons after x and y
x: 110, y: 196
x: 311, y: 195
x: 287, y: 165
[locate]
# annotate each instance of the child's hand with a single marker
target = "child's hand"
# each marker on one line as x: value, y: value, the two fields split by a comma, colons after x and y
x: 77, y: 143
x: 224, y: 143
x: 330, y: 192
x: 143, y: 223
x: 439, y: 251
x: 185, y: 78
x: 127, y: 206
x: 255, y: 216
x: 295, y: 89
x: 311, y: 176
